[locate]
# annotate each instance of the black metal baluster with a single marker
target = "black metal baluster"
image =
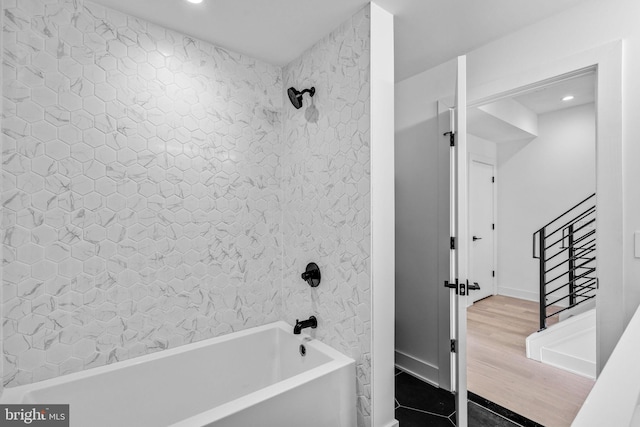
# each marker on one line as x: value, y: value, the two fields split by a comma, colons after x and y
x: 543, y: 293
x: 572, y: 268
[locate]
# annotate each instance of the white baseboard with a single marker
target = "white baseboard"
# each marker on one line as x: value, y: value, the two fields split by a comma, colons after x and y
x: 518, y: 293
x: 417, y: 367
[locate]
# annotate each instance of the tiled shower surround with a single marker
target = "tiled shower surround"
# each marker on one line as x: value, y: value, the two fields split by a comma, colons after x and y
x: 325, y: 183
x: 141, y: 189
x: 159, y: 190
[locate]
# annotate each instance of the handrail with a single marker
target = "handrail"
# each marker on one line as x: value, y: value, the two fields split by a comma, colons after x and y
x: 575, y: 251
x: 564, y: 226
x: 573, y: 221
x: 567, y: 211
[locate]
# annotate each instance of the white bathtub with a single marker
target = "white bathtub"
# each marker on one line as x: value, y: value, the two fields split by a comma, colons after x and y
x: 255, y: 377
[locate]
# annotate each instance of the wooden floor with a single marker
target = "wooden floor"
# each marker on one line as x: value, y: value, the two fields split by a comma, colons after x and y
x: 499, y: 370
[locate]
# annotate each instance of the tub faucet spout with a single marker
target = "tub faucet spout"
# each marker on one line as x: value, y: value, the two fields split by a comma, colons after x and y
x: 311, y: 322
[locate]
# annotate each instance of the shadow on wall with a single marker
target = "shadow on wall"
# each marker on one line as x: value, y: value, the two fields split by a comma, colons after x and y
x: 416, y: 181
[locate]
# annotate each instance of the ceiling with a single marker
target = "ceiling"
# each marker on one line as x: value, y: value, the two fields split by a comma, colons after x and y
x: 428, y: 32
x: 541, y: 100
x: 549, y: 98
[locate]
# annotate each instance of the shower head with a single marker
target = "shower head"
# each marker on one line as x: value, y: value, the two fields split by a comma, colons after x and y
x: 296, y: 97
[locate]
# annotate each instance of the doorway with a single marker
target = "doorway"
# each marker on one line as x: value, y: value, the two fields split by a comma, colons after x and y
x: 482, y: 226
x: 422, y: 240
x: 543, y: 151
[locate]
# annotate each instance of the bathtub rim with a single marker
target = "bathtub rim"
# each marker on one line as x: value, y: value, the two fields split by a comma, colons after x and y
x: 253, y: 398
x: 11, y: 395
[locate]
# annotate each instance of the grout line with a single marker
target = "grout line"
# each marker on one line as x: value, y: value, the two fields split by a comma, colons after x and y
x: 426, y: 412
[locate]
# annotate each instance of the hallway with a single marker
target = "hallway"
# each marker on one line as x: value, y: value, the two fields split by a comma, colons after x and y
x: 499, y: 370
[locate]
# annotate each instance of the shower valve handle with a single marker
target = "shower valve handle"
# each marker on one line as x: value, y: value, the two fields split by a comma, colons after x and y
x: 312, y: 274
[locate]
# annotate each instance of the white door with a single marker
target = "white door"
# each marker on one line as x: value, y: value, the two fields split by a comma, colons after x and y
x: 458, y: 262
x: 453, y: 123
x: 481, y: 228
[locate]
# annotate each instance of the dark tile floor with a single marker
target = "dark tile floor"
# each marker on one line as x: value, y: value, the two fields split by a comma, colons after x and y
x: 419, y: 404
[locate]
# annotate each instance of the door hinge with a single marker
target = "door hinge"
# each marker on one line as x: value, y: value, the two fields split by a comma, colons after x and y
x: 493, y: 179
x: 452, y: 243
x: 493, y: 226
x: 452, y: 138
x: 454, y: 346
x: 493, y: 273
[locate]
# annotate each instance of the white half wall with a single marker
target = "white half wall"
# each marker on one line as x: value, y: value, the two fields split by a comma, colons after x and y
x: 538, y: 181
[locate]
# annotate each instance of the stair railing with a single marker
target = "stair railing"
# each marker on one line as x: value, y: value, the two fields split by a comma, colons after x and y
x: 566, y: 250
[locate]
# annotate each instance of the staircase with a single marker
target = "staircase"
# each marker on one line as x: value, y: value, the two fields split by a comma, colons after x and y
x: 566, y: 250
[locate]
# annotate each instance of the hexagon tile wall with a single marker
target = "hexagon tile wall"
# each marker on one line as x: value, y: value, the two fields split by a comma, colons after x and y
x: 141, y: 188
x: 326, y: 182
x: 145, y: 176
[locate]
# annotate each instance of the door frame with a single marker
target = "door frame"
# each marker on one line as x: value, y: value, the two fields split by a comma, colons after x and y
x: 459, y: 255
x: 611, y: 311
x: 473, y: 157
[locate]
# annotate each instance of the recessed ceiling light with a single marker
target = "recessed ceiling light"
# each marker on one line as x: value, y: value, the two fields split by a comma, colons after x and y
x: 568, y: 98
x: 195, y: 1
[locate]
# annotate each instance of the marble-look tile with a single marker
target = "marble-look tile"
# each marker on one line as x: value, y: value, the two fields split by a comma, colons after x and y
x: 325, y: 182
x: 94, y: 101
x: 158, y: 192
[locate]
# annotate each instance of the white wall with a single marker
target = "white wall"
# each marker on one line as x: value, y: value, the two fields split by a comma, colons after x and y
x: 539, y: 181
x: 382, y: 218
x: 482, y: 147
x: 417, y: 246
x: 589, y: 25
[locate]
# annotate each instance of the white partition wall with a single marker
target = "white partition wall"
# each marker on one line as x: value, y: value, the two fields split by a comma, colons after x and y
x: 382, y: 217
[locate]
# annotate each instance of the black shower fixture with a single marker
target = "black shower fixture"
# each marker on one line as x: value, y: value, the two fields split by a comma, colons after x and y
x: 311, y: 274
x: 296, y: 97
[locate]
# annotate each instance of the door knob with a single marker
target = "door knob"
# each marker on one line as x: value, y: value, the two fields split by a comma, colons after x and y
x: 474, y: 287
x: 476, y: 238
